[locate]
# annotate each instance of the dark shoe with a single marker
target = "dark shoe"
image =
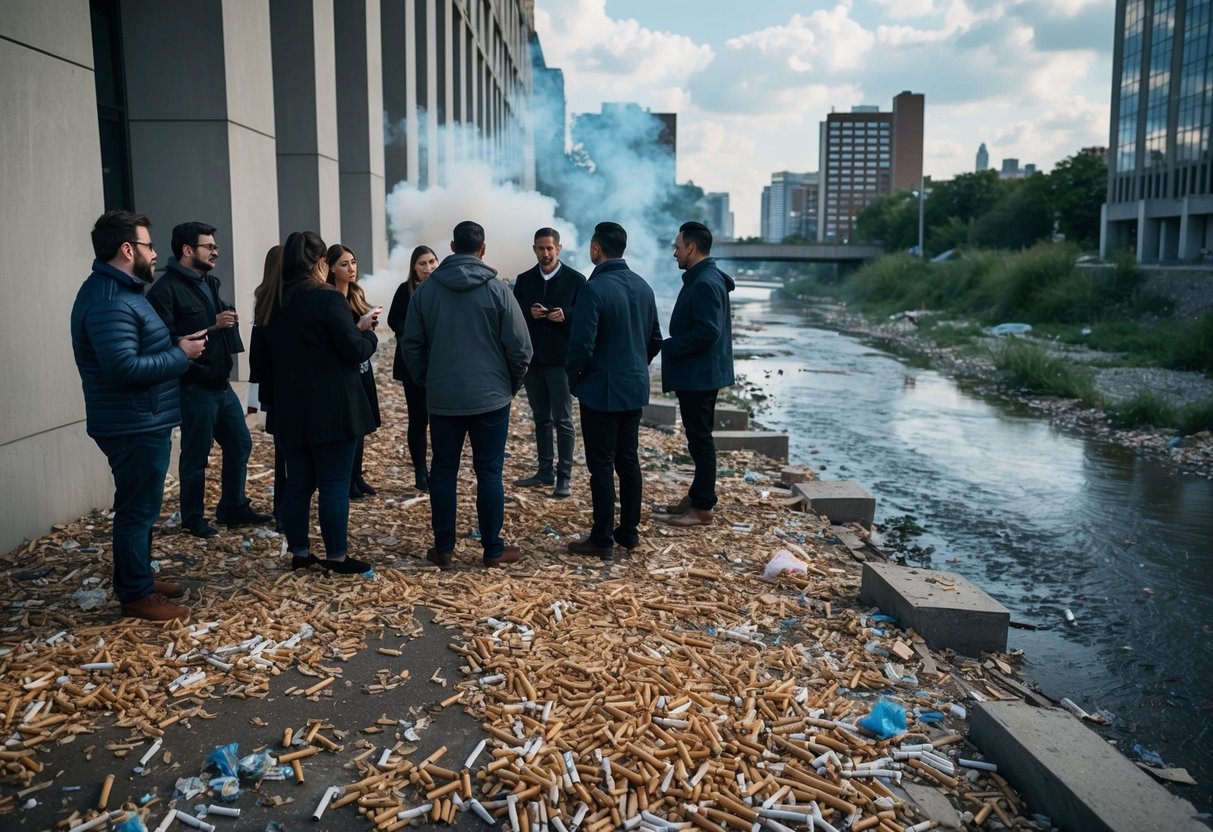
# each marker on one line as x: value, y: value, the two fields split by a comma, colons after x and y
x: 364, y: 487
x: 200, y: 528
x: 347, y: 566
x: 534, y: 481
x: 154, y: 607
x: 510, y: 554
x: 692, y: 517
x: 303, y: 561
x: 563, y: 489
x: 168, y: 589
x: 627, y: 541
x: 421, y: 480
x: 355, y: 492
x: 585, y: 547
x: 244, y: 516
x: 680, y: 507
x: 440, y: 559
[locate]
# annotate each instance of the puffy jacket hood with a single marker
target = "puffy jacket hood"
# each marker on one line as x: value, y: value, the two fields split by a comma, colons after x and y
x: 463, y: 272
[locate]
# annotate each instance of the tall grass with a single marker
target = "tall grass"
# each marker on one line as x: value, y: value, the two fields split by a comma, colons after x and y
x: 1029, y: 367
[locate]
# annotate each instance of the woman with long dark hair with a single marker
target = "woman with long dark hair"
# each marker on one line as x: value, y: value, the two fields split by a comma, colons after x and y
x: 321, y: 409
x: 421, y: 264
x: 261, y: 371
x: 343, y: 274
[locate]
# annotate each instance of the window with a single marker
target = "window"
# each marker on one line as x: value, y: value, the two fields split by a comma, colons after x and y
x: 110, y: 81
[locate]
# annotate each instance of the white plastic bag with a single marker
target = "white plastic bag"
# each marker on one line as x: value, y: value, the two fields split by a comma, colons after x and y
x: 783, y: 560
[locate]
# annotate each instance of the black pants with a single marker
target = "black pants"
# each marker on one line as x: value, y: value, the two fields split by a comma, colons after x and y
x: 698, y: 410
x: 547, y: 389
x: 419, y: 422
x: 611, y: 440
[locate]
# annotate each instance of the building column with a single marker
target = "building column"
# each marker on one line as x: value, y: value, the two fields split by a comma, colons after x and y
x: 450, y: 20
x: 1191, y: 233
x: 305, y: 117
x: 201, y: 116
x: 52, y: 470
x: 1147, y: 236
x: 360, y: 130
x: 431, y: 94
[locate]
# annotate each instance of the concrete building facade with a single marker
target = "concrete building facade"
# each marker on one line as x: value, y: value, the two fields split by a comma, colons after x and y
x: 864, y: 154
x: 257, y: 116
x: 1160, y: 170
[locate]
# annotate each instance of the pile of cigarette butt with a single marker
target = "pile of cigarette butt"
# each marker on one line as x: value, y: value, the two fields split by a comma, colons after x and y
x: 667, y: 688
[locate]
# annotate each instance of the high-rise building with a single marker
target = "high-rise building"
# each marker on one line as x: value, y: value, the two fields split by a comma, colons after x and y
x: 266, y: 115
x: 717, y: 216
x: 983, y: 158
x: 764, y: 227
x: 789, y: 206
x: 1160, y: 170
x: 864, y: 154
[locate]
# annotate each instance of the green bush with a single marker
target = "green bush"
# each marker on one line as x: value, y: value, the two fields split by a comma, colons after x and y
x: 1190, y: 347
x: 1144, y: 410
x: 1030, y: 367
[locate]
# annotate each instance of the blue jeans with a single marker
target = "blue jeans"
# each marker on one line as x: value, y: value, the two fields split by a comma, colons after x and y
x: 487, y: 432
x: 212, y: 416
x: 139, y: 462
x: 325, y: 467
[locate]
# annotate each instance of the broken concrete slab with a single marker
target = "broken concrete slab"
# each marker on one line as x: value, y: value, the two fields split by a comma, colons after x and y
x: 795, y: 473
x: 1071, y: 774
x: 766, y: 442
x: 932, y: 803
x: 942, y: 607
x: 841, y: 501
x: 732, y: 418
x: 663, y: 412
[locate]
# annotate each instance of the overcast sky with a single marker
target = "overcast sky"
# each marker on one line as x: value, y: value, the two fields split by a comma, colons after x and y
x: 750, y: 81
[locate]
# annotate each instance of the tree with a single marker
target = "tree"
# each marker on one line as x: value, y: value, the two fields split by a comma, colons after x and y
x: 1021, y: 218
x: 1078, y: 187
x: 891, y: 219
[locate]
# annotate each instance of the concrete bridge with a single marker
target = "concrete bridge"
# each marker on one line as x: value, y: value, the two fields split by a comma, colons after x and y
x: 853, y: 255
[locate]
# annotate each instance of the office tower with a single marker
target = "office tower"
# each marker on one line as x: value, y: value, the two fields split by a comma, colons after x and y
x: 1160, y: 174
x: 983, y: 158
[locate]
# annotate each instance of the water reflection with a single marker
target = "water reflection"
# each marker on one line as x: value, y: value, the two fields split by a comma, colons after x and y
x: 1043, y: 519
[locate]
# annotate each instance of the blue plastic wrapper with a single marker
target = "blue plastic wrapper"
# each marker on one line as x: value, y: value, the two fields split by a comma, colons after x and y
x: 884, y: 618
x: 226, y: 789
x: 927, y: 715
x: 254, y: 766
x: 225, y: 759
x: 887, y: 719
x: 132, y: 823
x: 1150, y: 758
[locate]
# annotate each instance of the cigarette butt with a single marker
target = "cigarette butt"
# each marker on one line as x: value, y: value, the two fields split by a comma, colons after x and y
x: 983, y: 813
x: 388, y: 651
x: 471, y: 760
x: 167, y: 821
x: 319, y: 686
x: 298, y: 770
x: 223, y: 811
x: 329, y: 794
x: 415, y: 812
x: 452, y: 699
x: 169, y: 720
x: 866, y: 823
x: 91, y: 824
x: 299, y: 755
x: 466, y: 780
x: 105, y: 792
x: 151, y: 752
x: 443, y: 790
x: 190, y: 820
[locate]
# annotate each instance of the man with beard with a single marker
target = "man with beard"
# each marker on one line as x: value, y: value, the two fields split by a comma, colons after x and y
x: 186, y: 297
x: 547, y: 294
x: 129, y: 366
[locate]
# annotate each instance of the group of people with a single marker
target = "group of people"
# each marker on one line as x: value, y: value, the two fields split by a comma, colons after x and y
x: 157, y: 353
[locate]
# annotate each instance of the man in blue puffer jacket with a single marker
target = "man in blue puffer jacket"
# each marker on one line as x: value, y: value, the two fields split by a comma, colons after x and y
x: 129, y: 367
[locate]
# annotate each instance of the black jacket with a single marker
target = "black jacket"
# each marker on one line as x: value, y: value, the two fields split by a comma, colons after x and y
x: 315, y: 350
x: 128, y: 364
x: 397, y: 314
x: 698, y: 355
x: 186, y: 304
x: 549, y: 340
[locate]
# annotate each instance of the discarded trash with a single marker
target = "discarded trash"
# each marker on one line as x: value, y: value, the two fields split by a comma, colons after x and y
x: 1070, y: 619
x: 227, y: 789
x: 224, y: 759
x: 131, y: 823
x: 783, y: 560
x: 188, y: 787
x: 1175, y: 441
x: 90, y: 599
x: 1147, y: 756
x: 928, y: 715
x: 887, y: 719
x: 1073, y: 707
x: 255, y: 766
x: 1011, y: 329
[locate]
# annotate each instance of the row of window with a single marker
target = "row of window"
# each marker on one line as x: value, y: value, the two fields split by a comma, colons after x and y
x: 859, y: 126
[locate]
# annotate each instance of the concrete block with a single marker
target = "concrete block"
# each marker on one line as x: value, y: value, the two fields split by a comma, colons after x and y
x: 1068, y: 772
x: 732, y: 418
x: 942, y: 607
x: 841, y: 501
x: 663, y: 412
x: 766, y: 442
x: 794, y: 474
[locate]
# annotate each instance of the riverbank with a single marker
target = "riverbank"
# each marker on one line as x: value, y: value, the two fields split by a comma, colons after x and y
x: 974, y: 363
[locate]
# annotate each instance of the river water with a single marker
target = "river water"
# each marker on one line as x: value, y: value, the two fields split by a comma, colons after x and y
x: 1042, y: 519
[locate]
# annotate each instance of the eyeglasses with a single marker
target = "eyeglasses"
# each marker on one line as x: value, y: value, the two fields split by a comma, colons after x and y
x: 141, y: 243
x: 212, y: 246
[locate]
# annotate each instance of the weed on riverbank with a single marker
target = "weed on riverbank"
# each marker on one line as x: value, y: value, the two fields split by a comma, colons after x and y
x: 1031, y: 368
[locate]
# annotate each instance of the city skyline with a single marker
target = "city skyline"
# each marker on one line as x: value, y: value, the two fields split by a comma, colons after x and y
x: 1031, y: 80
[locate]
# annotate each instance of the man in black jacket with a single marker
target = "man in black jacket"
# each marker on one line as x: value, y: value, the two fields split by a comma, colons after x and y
x: 547, y: 294
x: 186, y: 297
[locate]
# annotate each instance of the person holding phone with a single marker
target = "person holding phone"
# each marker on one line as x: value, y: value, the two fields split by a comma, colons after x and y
x: 343, y: 274
x: 547, y: 294
x: 320, y: 406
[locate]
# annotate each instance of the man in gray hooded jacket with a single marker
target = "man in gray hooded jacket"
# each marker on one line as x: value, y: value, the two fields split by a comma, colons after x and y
x: 466, y: 341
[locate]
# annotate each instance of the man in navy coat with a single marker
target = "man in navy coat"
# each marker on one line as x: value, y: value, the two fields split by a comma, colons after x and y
x: 696, y: 361
x: 615, y: 336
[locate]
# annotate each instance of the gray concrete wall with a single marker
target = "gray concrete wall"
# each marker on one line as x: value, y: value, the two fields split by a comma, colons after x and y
x: 49, y: 469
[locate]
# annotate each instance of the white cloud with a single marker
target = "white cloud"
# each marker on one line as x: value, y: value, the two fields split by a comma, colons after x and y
x: 904, y: 9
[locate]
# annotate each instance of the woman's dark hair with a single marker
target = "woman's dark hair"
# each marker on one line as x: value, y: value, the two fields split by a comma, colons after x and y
x: 300, y: 253
x: 413, y: 280
x: 356, y: 296
x: 268, y: 295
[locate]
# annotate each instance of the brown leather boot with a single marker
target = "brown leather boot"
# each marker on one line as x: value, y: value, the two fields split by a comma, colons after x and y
x: 692, y: 517
x: 510, y: 554
x: 680, y: 507
x: 154, y: 607
x: 168, y: 589
x: 585, y: 547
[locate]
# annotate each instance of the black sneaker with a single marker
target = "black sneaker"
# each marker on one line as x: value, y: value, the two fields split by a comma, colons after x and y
x: 198, y: 527
x: 348, y: 566
x: 534, y: 481
x: 244, y: 516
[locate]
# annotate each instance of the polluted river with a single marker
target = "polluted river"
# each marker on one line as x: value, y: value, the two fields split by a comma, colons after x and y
x: 1046, y: 521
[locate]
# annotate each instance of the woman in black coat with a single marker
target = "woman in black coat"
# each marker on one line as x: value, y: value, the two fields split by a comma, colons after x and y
x: 319, y: 405
x: 343, y: 275
x: 421, y: 264
x: 261, y: 373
